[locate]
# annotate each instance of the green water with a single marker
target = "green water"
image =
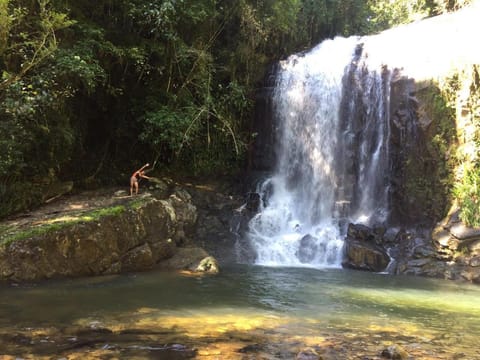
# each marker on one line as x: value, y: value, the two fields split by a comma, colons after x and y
x: 246, y: 312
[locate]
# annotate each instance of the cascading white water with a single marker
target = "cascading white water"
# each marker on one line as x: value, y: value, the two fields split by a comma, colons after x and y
x: 331, y: 107
x: 297, y: 224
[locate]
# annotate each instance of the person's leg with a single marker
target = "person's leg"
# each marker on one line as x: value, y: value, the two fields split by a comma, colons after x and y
x: 133, y: 182
x: 136, y: 187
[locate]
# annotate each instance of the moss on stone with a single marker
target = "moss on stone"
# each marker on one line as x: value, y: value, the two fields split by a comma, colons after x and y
x: 8, y: 235
x: 464, y: 90
x: 450, y: 168
x: 31, y: 232
x: 430, y: 176
x: 97, y: 214
x: 137, y: 203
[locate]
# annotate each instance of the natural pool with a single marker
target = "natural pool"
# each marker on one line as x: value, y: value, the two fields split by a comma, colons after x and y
x: 245, y: 312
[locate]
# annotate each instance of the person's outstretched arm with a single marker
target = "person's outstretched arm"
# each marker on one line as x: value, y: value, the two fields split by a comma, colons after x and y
x: 143, y: 167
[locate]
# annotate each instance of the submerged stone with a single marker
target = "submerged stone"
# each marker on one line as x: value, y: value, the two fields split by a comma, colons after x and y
x: 395, y: 352
x: 308, y: 249
x: 308, y: 354
x: 208, y: 265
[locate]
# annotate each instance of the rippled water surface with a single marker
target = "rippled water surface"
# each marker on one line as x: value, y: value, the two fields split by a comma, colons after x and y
x: 246, y: 312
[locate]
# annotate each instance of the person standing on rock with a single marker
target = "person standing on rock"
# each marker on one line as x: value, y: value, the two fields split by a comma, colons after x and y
x: 135, y: 178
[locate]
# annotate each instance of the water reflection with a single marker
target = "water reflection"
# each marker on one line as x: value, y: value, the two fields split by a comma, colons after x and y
x: 268, y: 312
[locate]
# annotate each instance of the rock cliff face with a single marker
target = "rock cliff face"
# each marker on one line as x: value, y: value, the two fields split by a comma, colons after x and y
x: 145, y: 233
x: 424, y: 142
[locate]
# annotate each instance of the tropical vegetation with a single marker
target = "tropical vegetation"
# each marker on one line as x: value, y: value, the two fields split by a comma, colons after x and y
x: 91, y: 89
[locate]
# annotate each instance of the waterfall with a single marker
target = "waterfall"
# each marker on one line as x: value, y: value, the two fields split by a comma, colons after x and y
x: 332, y: 111
x: 332, y: 156
x: 297, y: 223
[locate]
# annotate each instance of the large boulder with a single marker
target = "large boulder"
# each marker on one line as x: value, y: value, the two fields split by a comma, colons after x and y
x: 361, y: 250
x: 208, y: 265
x: 216, y: 204
x: 185, y: 214
x: 145, y: 232
x: 139, y: 258
x: 192, y: 259
x: 365, y: 256
x: 308, y: 249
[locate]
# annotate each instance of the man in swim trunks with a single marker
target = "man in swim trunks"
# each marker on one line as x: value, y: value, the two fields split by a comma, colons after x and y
x: 136, y: 177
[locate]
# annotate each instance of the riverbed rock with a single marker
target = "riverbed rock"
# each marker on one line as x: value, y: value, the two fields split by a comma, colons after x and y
x: 308, y: 249
x: 365, y: 256
x: 208, y: 265
x: 453, y: 252
x: 253, y: 201
x: 194, y: 259
x: 362, y: 251
x: 395, y: 352
x: 216, y: 205
x: 364, y: 233
x: 138, y: 259
x: 308, y: 354
x: 185, y: 214
x: 475, y: 261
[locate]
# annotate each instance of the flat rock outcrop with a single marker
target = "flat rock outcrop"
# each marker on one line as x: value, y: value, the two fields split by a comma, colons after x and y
x: 131, y: 234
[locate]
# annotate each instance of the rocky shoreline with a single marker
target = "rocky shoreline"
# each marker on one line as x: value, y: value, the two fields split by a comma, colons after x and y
x: 194, y: 228
x: 111, y: 233
x: 451, y: 251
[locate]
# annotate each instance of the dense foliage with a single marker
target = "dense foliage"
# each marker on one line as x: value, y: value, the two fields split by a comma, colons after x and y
x: 92, y: 89
x: 462, y: 91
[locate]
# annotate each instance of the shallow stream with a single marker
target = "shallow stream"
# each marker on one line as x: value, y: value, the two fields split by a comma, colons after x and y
x: 246, y: 312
